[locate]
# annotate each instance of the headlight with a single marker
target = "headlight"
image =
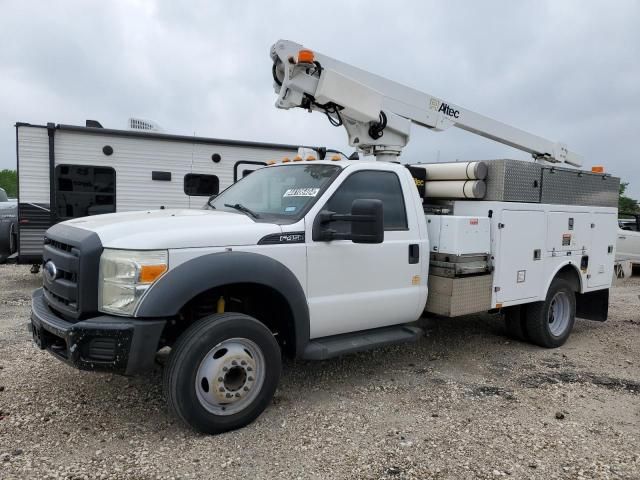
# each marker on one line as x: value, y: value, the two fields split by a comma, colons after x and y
x: 125, y: 275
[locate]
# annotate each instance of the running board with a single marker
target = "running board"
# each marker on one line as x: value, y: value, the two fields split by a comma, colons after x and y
x: 329, y: 347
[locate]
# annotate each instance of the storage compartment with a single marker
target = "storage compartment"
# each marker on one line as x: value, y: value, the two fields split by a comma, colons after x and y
x: 523, y: 181
x: 513, y: 181
x: 602, y: 253
x: 519, y: 260
x: 568, y: 231
x: 531, y: 182
x: 459, y: 235
x: 452, y: 297
x: 575, y: 187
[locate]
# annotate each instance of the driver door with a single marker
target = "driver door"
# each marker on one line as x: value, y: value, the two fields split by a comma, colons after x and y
x: 356, y: 286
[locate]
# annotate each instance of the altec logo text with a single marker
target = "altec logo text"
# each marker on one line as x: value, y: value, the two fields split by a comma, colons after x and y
x: 447, y: 110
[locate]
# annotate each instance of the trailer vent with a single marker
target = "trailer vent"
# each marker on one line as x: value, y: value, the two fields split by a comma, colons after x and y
x: 141, y: 124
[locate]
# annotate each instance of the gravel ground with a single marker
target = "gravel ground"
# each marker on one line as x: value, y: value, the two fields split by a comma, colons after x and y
x: 465, y: 402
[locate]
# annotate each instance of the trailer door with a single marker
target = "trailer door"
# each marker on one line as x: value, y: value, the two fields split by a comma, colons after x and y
x: 519, y: 263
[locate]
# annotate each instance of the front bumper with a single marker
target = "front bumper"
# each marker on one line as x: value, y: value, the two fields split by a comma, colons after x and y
x: 107, y: 343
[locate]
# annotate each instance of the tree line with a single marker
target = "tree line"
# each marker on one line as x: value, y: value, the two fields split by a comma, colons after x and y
x: 626, y: 205
x: 9, y: 182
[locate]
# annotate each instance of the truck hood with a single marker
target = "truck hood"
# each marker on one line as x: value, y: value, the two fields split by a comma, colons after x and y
x: 164, y: 229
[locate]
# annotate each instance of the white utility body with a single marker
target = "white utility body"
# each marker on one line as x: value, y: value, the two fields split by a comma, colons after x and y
x: 316, y: 257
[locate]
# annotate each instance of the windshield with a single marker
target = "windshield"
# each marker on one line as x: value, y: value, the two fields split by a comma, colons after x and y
x: 279, y: 193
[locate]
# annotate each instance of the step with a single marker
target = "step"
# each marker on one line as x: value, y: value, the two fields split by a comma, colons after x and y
x: 336, y: 345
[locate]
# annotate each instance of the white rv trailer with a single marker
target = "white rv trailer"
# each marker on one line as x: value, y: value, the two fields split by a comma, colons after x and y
x: 67, y: 171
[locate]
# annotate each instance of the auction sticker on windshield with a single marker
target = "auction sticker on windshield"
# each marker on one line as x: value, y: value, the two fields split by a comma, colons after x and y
x: 301, y: 192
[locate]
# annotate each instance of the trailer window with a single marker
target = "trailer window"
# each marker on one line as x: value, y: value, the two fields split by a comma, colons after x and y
x: 201, y: 185
x: 83, y: 190
x: 371, y: 184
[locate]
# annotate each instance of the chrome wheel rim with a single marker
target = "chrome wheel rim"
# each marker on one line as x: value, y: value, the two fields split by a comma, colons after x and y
x: 230, y: 376
x: 559, y: 314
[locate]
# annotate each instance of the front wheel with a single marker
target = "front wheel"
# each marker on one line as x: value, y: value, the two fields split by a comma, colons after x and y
x: 222, y: 372
x: 549, y: 323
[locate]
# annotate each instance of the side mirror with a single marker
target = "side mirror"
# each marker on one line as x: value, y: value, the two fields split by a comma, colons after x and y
x: 367, y: 226
x: 366, y: 218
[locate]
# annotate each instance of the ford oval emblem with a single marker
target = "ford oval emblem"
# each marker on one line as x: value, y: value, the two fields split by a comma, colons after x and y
x: 50, y: 270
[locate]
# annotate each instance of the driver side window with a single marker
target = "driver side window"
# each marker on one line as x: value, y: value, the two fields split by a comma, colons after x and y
x: 370, y: 184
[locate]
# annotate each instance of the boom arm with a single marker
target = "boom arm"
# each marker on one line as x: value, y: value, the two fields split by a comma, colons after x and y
x: 377, y: 113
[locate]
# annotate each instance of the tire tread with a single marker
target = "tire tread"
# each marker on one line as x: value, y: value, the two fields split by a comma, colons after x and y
x: 174, y: 365
x: 536, y: 319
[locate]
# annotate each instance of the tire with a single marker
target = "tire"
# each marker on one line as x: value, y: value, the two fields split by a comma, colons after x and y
x: 549, y: 323
x: 13, y: 243
x: 515, y: 323
x: 222, y: 372
x: 5, y: 241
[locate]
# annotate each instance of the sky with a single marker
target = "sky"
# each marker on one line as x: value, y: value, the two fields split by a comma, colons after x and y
x: 566, y: 70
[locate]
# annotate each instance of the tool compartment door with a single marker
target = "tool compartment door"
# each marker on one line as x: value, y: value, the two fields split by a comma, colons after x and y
x: 568, y: 232
x: 519, y: 260
x: 601, y: 256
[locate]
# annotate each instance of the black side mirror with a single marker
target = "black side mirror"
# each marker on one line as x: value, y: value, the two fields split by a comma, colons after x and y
x: 367, y: 223
x: 368, y: 227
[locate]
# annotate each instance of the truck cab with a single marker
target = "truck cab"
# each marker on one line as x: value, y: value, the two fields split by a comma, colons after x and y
x: 302, y: 251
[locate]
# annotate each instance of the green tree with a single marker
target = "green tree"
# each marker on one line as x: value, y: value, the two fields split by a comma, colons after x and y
x: 627, y: 205
x: 9, y: 182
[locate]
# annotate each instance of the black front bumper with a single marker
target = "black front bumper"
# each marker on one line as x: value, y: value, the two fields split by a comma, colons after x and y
x: 108, y: 343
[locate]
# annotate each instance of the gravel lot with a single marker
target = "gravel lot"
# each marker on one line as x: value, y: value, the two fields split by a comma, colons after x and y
x: 465, y: 402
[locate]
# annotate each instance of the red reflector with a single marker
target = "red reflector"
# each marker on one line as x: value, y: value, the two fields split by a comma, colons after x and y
x: 24, y: 221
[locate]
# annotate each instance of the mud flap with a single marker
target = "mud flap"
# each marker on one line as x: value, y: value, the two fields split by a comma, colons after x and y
x: 593, y: 305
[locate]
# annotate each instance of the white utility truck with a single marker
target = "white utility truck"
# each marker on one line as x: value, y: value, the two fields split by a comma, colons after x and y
x: 316, y: 258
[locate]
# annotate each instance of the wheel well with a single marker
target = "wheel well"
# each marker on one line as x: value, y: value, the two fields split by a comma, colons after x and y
x: 258, y: 301
x: 570, y: 274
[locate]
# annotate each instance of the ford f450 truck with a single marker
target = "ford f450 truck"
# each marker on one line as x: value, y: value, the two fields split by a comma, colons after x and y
x: 312, y: 258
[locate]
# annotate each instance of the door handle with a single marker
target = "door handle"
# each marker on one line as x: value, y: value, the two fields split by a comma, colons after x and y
x: 414, y: 253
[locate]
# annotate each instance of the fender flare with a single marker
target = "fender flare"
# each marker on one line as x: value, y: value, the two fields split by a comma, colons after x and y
x: 557, y: 270
x: 179, y: 285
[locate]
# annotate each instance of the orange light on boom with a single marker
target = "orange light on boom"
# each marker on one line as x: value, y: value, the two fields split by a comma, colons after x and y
x: 306, y: 56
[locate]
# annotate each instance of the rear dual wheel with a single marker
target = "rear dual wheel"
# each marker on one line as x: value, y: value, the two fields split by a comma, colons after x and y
x: 222, y: 372
x: 548, y: 323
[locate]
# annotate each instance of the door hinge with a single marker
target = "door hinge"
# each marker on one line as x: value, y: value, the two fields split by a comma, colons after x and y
x: 501, y: 225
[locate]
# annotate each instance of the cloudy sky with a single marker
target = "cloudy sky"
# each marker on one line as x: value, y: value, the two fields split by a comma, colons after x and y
x: 566, y: 70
